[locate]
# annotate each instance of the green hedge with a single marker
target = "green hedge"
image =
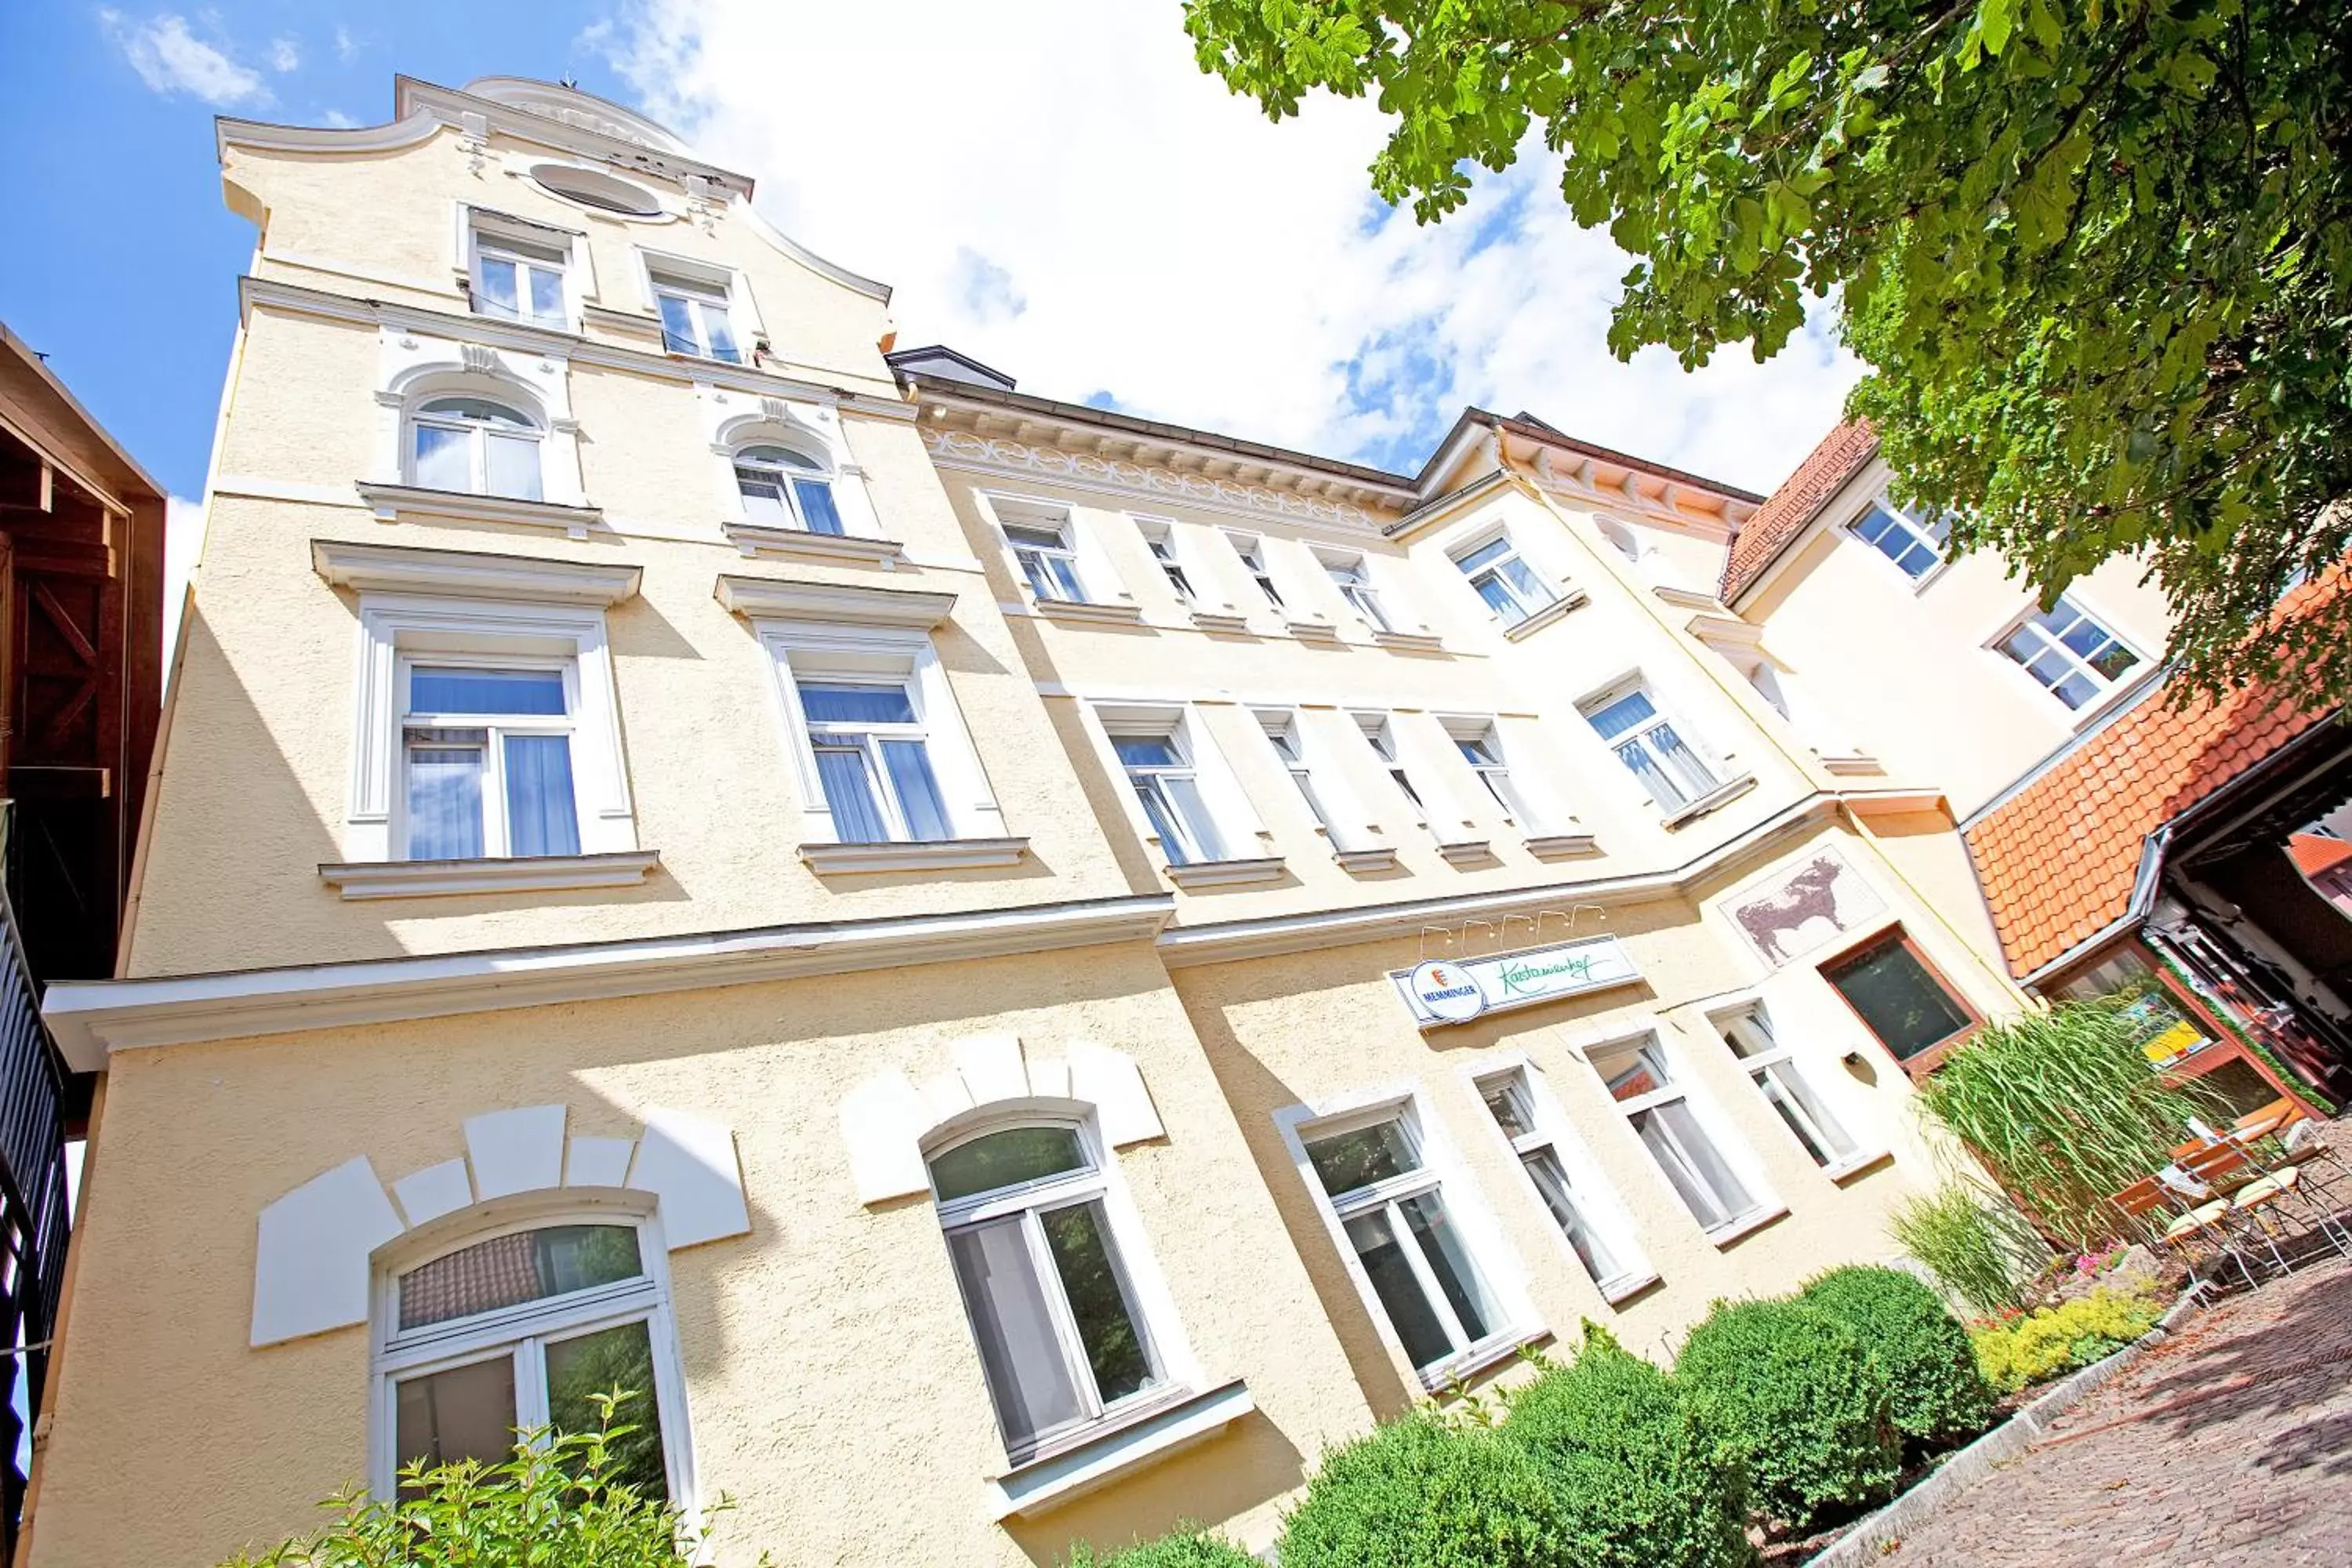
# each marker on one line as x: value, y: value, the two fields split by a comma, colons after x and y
x: 1185, y: 1549
x: 1420, y: 1494
x: 1801, y: 1401
x: 1939, y: 1390
x: 1639, y: 1481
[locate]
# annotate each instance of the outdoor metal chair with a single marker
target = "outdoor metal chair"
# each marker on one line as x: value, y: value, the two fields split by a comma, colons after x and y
x: 2260, y: 1195
x: 2170, y: 1221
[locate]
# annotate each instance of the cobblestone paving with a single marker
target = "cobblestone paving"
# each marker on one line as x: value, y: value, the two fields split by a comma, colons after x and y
x: 2230, y: 1446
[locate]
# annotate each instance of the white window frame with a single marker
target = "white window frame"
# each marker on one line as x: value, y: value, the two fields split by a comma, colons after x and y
x: 521, y: 254
x: 496, y: 830
x: 868, y: 738
x: 1147, y: 1297
x: 796, y: 516
x: 1159, y: 540
x: 1932, y: 536
x: 439, y: 1347
x: 1440, y: 1170
x: 2103, y: 687
x: 1603, y: 1211
x: 1221, y: 792
x: 1249, y: 550
x: 1379, y: 733
x: 657, y: 270
x: 394, y: 627
x: 1282, y: 734
x: 1352, y: 573
x: 1495, y: 771
x: 1524, y: 607
x: 415, y: 368
x: 1661, y: 714
x: 1191, y: 849
x: 876, y: 656
x: 474, y: 225
x: 1096, y: 583
x: 1684, y: 1087
x: 478, y: 437
x: 1750, y: 1023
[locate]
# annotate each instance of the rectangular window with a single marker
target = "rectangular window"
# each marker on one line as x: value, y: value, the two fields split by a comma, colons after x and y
x: 1393, y: 1210
x: 1905, y: 1002
x: 1252, y: 552
x: 1161, y: 540
x: 519, y: 280
x: 1483, y: 750
x: 1642, y: 1082
x: 695, y: 318
x: 1161, y: 773
x: 1915, y: 547
x: 1382, y: 740
x: 1511, y: 1101
x: 1282, y: 733
x: 1353, y: 578
x: 1504, y: 581
x: 2065, y: 650
x: 874, y: 761
x: 1045, y: 546
x: 1646, y: 742
x: 1769, y: 1066
x: 486, y: 755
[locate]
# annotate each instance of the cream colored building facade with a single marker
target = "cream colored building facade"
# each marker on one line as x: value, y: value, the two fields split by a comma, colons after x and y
x: 1028, y: 971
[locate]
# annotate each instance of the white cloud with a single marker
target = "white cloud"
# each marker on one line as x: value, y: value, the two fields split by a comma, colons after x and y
x: 184, y: 545
x: 284, y: 54
x: 1054, y: 188
x: 171, y: 60
x: 338, y: 119
x: 347, y: 48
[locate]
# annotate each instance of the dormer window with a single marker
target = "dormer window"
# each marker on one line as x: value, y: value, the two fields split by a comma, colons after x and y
x: 784, y: 488
x: 695, y: 318
x: 474, y: 446
x: 519, y: 280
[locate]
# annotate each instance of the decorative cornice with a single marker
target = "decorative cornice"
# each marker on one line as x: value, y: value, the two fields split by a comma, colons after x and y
x: 392, y: 502
x: 397, y: 569
x: 972, y: 451
x: 92, y: 1017
x: 770, y: 598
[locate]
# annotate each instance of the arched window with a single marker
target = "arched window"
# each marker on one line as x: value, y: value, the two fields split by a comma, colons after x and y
x: 519, y: 1330
x: 1061, y: 1332
x: 784, y: 488
x: 476, y: 446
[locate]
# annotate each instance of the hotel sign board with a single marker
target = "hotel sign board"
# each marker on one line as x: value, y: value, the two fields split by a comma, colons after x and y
x: 1448, y: 991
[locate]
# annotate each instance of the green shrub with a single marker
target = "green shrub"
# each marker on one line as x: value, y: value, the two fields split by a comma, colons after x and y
x: 1185, y: 1549
x: 1975, y: 1243
x: 1639, y: 1481
x: 559, y: 1503
x: 1938, y: 1392
x: 1419, y: 1493
x: 1800, y: 1402
x: 2022, y: 1352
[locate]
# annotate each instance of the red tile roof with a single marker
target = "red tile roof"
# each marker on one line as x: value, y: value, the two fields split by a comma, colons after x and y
x: 2058, y: 859
x: 2314, y: 853
x: 1842, y: 454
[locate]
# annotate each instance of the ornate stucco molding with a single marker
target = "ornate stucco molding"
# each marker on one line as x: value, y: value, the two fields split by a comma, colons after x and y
x: 998, y: 453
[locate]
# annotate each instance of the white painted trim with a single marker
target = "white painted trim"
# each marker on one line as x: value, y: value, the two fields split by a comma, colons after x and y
x: 829, y: 858
x: 1721, y: 795
x: 755, y: 542
x: 465, y: 573
x: 1224, y: 873
x: 409, y: 503
x: 845, y: 603
x: 1556, y: 1129
x: 1030, y: 1490
x: 517, y: 874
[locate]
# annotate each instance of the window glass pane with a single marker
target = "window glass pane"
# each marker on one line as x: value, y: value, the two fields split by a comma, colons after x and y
x: 1523, y: 580
x: 817, y: 506
x: 1006, y: 1159
x: 1185, y: 795
x: 1146, y: 750
x: 445, y: 459
x: 620, y: 1358
x: 1079, y: 1240
x: 1346, y: 1161
x: 911, y: 780
x: 465, y: 1413
x: 1381, y: 1251
x: 507, y: 1270
x: 856, y: 704
x: 444, y: 802
x: 1903, y: 1003
x: 721, y: 331
x: 442, y: 690
x: 1550, y: 1178
x: 546, y: 295
x: 1633, y: 1068
x: 1627, y: 712
x: 1019, y: 1351
x: 1507, y: 1099
x: 540, y: 816
x: 1161, y: 813
x: 1440, y: 1244
x: 1485, y: 555
x: 1692, y: 1166
x: 497, y: 296
x: 1823, y: 1136
x: 1025, y: 536
x: 480, y: 410
x: 849, y: 794
x: 763, y: 499
x: 678, y: 335
x: 779, y: 457
x: 514, y: 466
x: 1498, y: 598
x: 1692, y: 777
x: 1661, y: 786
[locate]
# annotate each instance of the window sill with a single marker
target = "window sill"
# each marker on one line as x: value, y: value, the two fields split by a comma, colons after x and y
x: 754, y: 540
x: 1149, y: 1435
x: 393, y: 503
x: 1224, y: 621
x: 1086, y: 610
x: 1687, y: 598
x: 1722, y: 796
x: 1379, y: 858
x: 1480, y: 1358
x: 1740, y: 1229
x: 1852, y: 764
x: 1618, y: 1291
x: 1410, y: 642
x: 929, y: 855
x: 1312, y: 631
x: 519, y: 874
x: 1860, y: 1165
x: 1468, y: 852
x: 1224, y: 873
x: 1573, y: 599
x: 1561, y: 845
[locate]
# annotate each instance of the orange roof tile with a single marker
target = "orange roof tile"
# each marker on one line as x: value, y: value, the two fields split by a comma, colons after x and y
x: 2315, y: 852
x: 2057, y: 859
x: 1842, y: 454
